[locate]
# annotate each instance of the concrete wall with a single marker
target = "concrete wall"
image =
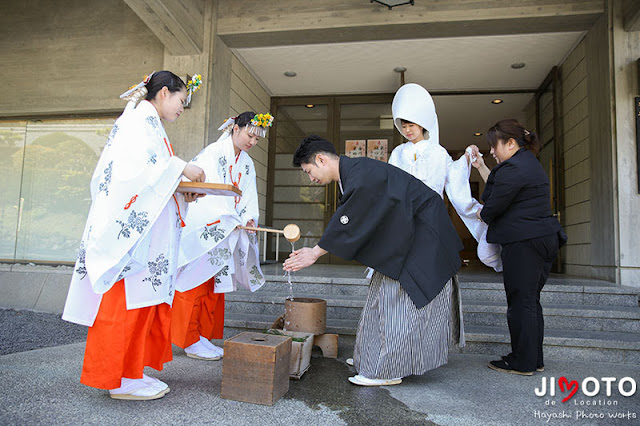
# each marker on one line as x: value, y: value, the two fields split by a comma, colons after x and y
x: 234, y: 91
x: 626, y: 50
x: 190, y: 133
x: 78, y: 56
x: 599, y: 84
x: 603, y: 182
x: 248, y: 95
x: 574, y: 119
x: 584, y: 116
x: 287, y: 22
x: 37, y: 288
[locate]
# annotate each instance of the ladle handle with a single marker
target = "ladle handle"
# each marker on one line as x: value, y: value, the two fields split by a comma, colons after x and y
x: 252, y: 228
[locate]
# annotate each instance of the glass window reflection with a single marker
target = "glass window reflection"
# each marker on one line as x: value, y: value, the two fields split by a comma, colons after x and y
x: 59, y: 159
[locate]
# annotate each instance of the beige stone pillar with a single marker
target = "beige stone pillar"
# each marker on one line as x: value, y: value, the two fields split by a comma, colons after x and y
x: 626, y: 52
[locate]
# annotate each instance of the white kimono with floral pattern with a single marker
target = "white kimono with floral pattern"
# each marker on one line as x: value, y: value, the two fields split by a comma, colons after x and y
x: 134, y: 224
x: 211, y: 245
x: 428, y: 161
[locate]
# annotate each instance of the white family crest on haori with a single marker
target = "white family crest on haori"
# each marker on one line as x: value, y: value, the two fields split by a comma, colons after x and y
x: 134, y: 223
x: 211, y: 244
x: 428, y: 161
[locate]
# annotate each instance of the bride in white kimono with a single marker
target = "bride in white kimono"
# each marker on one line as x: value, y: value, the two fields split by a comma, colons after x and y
x: 215, y: 256
x: 414, y: 113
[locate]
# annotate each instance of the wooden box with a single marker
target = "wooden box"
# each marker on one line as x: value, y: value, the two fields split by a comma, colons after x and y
x: 255, y: 367
x: 300, y: 351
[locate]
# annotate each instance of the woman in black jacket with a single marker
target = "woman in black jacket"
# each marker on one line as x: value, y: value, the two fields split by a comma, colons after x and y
x: 517, y: 209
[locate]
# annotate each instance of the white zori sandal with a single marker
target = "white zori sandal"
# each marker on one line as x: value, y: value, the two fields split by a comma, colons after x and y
x: 363, y: 381
x: 205, y: 350
x: 140, y: 389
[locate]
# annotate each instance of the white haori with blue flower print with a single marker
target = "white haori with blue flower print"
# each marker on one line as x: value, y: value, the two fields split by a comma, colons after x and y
x: 134, y: 224
x: 211, y: 244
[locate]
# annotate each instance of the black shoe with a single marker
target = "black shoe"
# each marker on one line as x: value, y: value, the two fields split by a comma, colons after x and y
x: 539, y: 368
x: 503, y: 366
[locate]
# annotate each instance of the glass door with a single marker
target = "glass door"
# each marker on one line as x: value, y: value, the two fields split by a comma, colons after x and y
x: 294, y: 198
x: 551, y: 155
x: 365, y: 128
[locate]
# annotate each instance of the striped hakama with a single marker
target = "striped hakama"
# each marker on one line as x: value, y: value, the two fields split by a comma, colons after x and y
x: 395, y: 339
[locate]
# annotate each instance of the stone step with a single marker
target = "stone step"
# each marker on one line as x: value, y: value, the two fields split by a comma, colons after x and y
x: 560, y: 294
x: 271, y: 303
x: 588, y: 294
x: 480, y: 313
x: 264, y: 322
x: 616, y: 347
x: 561, y: 317
x: 317, y: 285
x: 576, y: 345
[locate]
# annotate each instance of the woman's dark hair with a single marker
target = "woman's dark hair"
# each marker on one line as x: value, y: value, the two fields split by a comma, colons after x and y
x: 164, y: 78
x: 245, y: 118
x: 424, y: 131
x: 510, y: 128
x: 309, y: 147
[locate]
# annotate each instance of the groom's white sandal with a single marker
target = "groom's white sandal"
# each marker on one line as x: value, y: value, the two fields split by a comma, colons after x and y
x: 363, y: 381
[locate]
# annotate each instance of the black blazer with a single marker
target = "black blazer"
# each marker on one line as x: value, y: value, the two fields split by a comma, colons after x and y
x: 517, y: 201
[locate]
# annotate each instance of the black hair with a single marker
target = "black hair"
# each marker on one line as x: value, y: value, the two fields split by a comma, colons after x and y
x: 161, y: 79
x: 510, y: 128
x: 309, y: 147
x: 245, y: 118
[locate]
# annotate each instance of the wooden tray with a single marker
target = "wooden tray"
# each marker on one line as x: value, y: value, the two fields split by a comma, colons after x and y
x: 209, y: 188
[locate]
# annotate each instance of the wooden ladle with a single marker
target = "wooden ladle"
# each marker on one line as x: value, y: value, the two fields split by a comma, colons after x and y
x: 291, y: 231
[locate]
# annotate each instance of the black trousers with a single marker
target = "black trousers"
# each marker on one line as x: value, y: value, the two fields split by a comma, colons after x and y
x: 526, y: 266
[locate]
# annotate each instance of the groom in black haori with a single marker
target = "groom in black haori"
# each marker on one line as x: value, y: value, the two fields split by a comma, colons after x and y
x: 393, y: 223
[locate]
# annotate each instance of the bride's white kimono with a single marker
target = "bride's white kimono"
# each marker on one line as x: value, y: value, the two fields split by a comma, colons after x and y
x: 211, y: 245
x: 428, y: 161
x: 134, y: 224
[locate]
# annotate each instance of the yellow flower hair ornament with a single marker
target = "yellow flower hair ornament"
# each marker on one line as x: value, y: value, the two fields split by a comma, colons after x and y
x: 259, y: 123
x: 192, y: 86
x: 257, y: 126
x: 262, y: 120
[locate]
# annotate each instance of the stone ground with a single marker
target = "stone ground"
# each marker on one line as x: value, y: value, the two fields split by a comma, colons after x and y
x: 41, y: 358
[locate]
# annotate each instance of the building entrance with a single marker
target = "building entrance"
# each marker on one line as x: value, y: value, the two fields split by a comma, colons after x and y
x: 351, y: 123
x: 358, y: 125
x: 362, y: 125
